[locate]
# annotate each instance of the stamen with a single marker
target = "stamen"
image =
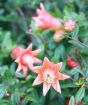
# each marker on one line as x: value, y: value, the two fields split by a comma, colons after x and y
x: 49, y: 76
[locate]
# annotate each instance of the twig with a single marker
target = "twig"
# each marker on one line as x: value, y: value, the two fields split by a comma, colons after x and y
x: 76, y: 40
x: 23, y: 17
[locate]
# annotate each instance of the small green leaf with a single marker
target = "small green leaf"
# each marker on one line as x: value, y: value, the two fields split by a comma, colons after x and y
x: 19, y: 75
x: 15, y: 98
x: 2, y: 90
x: 72, y: 101
x: 80, y: 94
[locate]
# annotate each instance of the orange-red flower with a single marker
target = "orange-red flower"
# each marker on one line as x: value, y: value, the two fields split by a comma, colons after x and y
x: 69, y: 25
x: 26, y: 58
x: 45, y: 21
x: 49, y: 74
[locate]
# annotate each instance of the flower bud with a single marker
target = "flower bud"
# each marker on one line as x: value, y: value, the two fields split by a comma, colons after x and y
x: 45, y: 20
x: 69, y: 25
x: 58, y: 36
x: 71, y: 62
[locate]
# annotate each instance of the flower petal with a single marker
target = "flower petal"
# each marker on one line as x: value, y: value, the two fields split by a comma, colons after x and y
x: 38, y: 80
x: 39, y: 12
x: 17, y: 60
x: 42, y: 7
x: 36, y: 60
x: 46, y: 87
x: 29, y: 48
x: 63, y: 76
x: 46, y: 62
x: 34, y: 53
x: 18, y: 68
x: 56, y: 86
x: 37, y: 69
x: 58, y: 66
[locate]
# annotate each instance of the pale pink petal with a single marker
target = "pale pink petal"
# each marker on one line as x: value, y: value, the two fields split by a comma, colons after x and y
x: 34, y: 53
x: 38, y: 80
x: 39, y: 12
x: 36, y: 60
x: 29, y: 48
x: 46, y: 87
x: 37, y: 69
x: 17, y: 60
x: 18, y: 68
x: 56, y: 86
x: 42, y: 7
x: 58, y: 66
x: 31, y: 67
x: 46, y: 62
x: 39, y: 23
x: 63, y: 76
x: 34, y: 18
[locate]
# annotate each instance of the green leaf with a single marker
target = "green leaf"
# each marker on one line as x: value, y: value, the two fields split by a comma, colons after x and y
x: 72, y: 101
x: 33, y: 96
x: 68, y: 85
x: 6, y: 45
x: 19, y: 75
x: 24, y: 101
x: 81, y: 46
x: 2, y: 90
x: 80, y: 94
x: 15, y: 98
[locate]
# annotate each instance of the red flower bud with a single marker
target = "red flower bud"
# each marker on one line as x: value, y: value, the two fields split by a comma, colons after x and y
x: 67, y: 102
x: 79, y: 103
x: 71, y: 62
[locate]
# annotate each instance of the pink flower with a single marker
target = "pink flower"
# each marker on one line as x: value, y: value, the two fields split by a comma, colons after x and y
x: 69, y: 25
x: 26, y: 58
x: 58, y: 36
x: 49, y: 74
x: 45, y: 21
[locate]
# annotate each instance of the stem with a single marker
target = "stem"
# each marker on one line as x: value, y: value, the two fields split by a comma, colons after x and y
x: 76, y: 40
x: 23, y: 17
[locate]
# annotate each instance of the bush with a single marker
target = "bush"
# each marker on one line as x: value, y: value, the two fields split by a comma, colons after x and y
x: 59, y: 28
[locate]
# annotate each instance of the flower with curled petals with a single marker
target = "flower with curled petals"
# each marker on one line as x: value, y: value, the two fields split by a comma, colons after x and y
x: 45, y: 21
x: 49, y: 74
x: 26, y: 59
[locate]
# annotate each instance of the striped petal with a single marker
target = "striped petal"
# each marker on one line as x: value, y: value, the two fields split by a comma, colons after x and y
x: 56, y: 86
x: 46, y: 88
x: 37, y: 81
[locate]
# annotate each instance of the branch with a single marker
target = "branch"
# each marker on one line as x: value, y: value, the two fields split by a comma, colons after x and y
x: 76, y: 40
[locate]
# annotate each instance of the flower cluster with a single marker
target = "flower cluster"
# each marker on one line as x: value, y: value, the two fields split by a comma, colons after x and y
x: 49, y: 73
x: 45, y: 21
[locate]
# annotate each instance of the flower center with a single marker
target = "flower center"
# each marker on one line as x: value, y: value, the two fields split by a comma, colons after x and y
x: 27, y: 59
x: 49, y: 76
